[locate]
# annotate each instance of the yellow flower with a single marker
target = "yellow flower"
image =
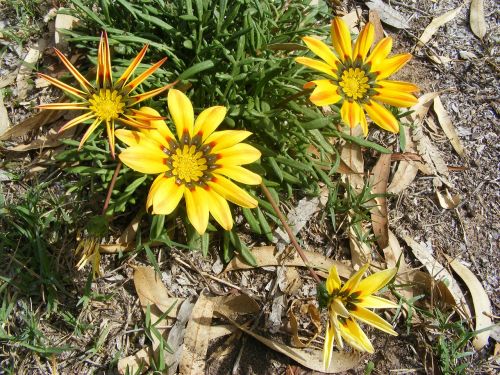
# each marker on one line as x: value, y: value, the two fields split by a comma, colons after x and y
x: 350, y: 302
x: 358, y: 79
x: 107, y: 101
x: 193, y: 164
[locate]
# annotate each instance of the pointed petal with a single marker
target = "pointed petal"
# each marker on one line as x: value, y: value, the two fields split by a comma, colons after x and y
x: 341, y: 39
x: 182, y: 113
x: 220, y: 140
x: 232, y: 192
x: 166, y: 196
x: 238, y: 154
x: 321, y: 50
x: 395, y: 98
x: 391, y: 65
x: 76, y: 121
x: 63, y: 86
x: 354, y: 335
x: 338, y: 307
x: 62, y: 106
x: 353, y: 282
x: 333, y: 280
x: 374, y: 302
x: 364, y: 123
x: 104, y: 78
x: 364, y: 42
x: 153, y: 189
x: 334, y: 322
x: 159, y: 126
x: 380, y: 51
x: 208, y: 120
x: 398, y: 86
x: 80, y: 78
x: 132, y: 85
x: 135, y: 123
x: 328, y: 346
x: 240, y: 174
x: 131, y: 68
x: 89, y: 131
x: 144, y: 159
x: 110, y: 129
x: 325, y: 93
x: 316, y: 65
x: 197, y: 208
x: 381, y: 116
x: 147, y: 95
x: 134, y: 138
x: 375, y: 282
x: 350, y: 113
x: 219, y: 209
x: 372, y: 319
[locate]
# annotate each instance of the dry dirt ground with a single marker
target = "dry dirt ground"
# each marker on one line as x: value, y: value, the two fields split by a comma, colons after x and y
x: 469, y: 88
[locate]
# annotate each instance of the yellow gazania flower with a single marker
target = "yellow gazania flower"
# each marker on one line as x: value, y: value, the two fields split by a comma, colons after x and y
x: 358, y: 80
x: 106, y: 101
x: 350, y: 302
x: 194, y: 164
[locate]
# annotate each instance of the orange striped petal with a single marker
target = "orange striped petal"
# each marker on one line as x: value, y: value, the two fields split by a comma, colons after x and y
x: 372, y: 319
x: 240, y: 174
x: 182, y: 113
x: 144, y: 159
x: 398, y: 86
x: 380, y: 51
x: 321, y: 50
x: 341, y: 39
x: 89, y: 131
x: 395, y: 98
x: 350, y: 113
x: 219, y: 208
x: 238, y: 154
x: 391, y: 65
x: 80, y: 78
x: 197, y: 208
x: 208, y: 121
x: 333, y: 280
x: 325, y: 93
x: 134, y: 99
x: 132, y: 85
x: 135, y: 123
x: 106, y: 62
x: 364, y: 42
x: 159, y: 126
x: 131, y: 68
x: 62, y: 106
x: 63, y: 86
x: 220, y: 140
x: 232, y: 192
x: 76, y: 121
x: 110, y: 129
x: 166, y: 196
x: 316, y: 65
x: 381, y: 116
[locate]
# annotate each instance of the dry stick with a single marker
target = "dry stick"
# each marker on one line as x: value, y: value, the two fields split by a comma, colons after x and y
x: 289, y: 232
x: 111, y: 186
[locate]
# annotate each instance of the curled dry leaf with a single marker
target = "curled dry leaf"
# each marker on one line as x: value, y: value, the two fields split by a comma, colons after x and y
x: 388, y: 15
x: 480, y: 301
x: 447, y: 126
x: 379, y: 180
x: 477, y: 22
x: 447, y: 200
x: 306, y: 311
x: 435, y: 24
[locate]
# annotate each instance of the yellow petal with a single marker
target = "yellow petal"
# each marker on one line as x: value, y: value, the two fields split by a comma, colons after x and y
x: 398, y: 86
x: 380, y: 51
x: 316, y: 65
x: 110, y: 130
x: 325, y: 93
x: 364, y: 123
x: 197, y: 208
x: 135, y: 138
x: 238, y: 154
x: 354, y: 335
x: 134, y: 99
x: 89, y: 131
x: 166, y: 195
x: 59, y: 106
x: 391, y: 65
x: 143, y: 76
x: 353, y: 282
x: 181, y: 110
x: 372, y: 319
x: 77, y: 120
x: 338, y: 307
x: 374, y: 302
x: 321, y: 50
x: 153, y: 189
x: 240, y: 174
x: 333, y: 280
x: 364, y: 42
x: 232, y: 192
x: 158, y: 125
x: 341, y: 39
x: 350, y: 113
x: 208, y: 120
x: 226, y: 138
x: 328, y: 346
x: 131, y: 68
x: 381, y: 116
x: 375, y: 282
x: 395, y: 98
x: 144, y: 159
x: 219, y: 209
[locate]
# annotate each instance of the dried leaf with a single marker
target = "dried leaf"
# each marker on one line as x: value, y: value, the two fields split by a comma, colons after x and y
x: 128, y: 235
x: 63, y: 22
x: 361, y: 252
x: 393, y: 254
x: 234, y: 305
x: 352, y: 156
x: 132, y: 363
x: 480, y: 301
x: 308, y: 312
x: 448, y: 201
x: 26, y: 68
x: 447, y: 126
x: 477, y: 22
x: 388, y: 14
x: 50, y: 140
x: 352, y: 19
x: 439, y: 59
x: 374, y: 19
x: 379, y: 180
x: 435, y: 24
x: 40, y: 119
x: 4, y: 116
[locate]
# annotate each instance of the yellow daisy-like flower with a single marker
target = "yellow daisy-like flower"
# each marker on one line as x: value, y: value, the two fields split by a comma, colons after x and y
x: 358, y: 79
x: 107, y: 101
x: 194, y: 164
x: 350, y: 302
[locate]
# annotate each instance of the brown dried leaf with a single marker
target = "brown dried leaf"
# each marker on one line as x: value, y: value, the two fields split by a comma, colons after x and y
x: 4, y: 116
x: 388, y: 14
x: 40, y: 119
x: 379, y: 180
x: 361, y: 252
x: 309, y: 312
x: 234, y: 305
x: 447, y: 200
x: 393, y: 253
x: 374, y: 19
x: 447, y: 126
x: 352, y: 156
x: 435, y: 24
x: 50, y: 140
x: 477, y: 22
x: 132, y: 363
x: 480, y: 301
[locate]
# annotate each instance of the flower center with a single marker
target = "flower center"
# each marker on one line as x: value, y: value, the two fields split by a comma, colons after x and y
x: 354, y: 83
x: 188, y: 164
x: 107, y: 105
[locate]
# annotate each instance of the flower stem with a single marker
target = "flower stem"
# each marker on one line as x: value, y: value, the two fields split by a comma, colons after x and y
x: 111, y: 186
x: 288, y: 230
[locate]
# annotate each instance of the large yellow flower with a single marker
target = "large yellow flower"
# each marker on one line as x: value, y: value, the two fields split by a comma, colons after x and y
x: 358, y: 79
x: 194, y: 164
x: 350, y: 302
x: 107, y: 101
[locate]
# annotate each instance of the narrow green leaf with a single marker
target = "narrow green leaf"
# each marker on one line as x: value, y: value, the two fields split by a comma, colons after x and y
x: 197, y: 68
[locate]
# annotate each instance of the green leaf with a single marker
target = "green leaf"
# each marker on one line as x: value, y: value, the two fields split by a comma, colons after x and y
x: 197, y: 68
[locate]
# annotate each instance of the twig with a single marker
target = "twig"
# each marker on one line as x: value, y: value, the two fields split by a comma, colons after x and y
x: 111, y: 186
x: 289, y: 232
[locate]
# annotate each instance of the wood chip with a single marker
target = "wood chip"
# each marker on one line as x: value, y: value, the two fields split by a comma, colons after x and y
x: 477, y: 21
x: 435, y: 24
x: 447, y: 126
